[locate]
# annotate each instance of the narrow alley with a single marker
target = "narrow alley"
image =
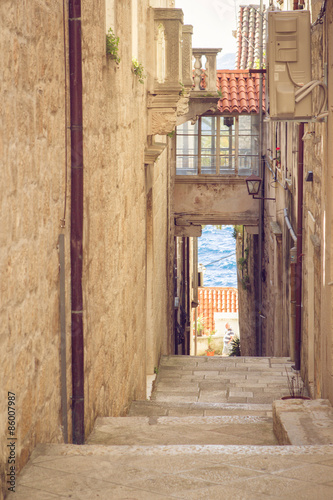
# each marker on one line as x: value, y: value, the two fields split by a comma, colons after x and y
x: 206, y: 433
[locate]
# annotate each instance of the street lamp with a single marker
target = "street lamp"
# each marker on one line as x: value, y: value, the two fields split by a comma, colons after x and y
x: 253, y: 185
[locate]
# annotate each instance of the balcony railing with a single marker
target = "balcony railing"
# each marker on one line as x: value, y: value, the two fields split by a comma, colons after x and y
x: 205, y: 77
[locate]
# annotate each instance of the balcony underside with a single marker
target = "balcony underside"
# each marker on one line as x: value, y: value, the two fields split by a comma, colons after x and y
x: 214, y: 200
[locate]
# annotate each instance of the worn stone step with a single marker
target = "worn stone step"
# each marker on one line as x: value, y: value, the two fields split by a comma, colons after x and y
x: 159, y: 430
x: 162, y: 408
x: 303, y: 422
x: 189, y: 472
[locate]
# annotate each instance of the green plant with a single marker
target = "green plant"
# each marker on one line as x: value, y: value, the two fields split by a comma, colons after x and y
x: 237, y: 231
x: 171, y: 134
x: 200, y: 325
x: 138, y: 70
x: 156, y: 370
x: 183, y: 90
x: 219, y: 93
x: 243, y: 261
x: 209, y: 340
x: 245, y: 281
x: 112, y: 42
x: 235, y: 347
x: 243, y: 264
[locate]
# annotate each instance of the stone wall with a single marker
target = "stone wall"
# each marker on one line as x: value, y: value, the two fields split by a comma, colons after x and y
x: 247, y: 248
x: 32, y: 199
x: 115, y: 224
x: 316, y: 339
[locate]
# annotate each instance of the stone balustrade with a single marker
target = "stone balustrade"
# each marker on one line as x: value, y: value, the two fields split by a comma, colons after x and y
x: 208, y: 74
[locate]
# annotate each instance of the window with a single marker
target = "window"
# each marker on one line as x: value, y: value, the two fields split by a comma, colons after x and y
x: 218, y: 145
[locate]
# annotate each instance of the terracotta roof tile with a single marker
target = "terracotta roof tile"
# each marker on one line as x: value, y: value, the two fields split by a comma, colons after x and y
x: 216, y: 299
x: 248, y: 27
x: 240, y: 91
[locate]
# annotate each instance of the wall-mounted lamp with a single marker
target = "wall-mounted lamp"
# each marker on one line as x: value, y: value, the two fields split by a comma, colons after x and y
x: 309, y: 176
x: 253, y: 185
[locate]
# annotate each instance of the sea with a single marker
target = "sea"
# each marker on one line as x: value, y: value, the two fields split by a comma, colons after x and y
x: 217, y: 253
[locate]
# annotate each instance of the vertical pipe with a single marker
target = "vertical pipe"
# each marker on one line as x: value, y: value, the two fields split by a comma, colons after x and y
x: 188, y: 296
x: 299, y: 246
x: 75, y: 65
x: 63, y: 361
x: 261, y: 202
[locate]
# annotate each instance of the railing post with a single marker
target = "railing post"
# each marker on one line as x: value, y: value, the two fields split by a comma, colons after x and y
x: 197, y: 71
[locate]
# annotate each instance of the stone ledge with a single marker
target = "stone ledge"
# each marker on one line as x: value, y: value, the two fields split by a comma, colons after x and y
x: 303, y: 422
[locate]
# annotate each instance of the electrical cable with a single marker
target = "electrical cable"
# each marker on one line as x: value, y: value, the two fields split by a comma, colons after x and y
x: 321, y: 14
x: 218, y: 260
x: 306, y: 89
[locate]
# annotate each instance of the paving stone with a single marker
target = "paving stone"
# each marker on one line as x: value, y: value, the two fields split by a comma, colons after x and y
x: 213, y: 443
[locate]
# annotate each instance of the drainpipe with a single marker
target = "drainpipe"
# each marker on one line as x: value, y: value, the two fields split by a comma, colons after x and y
x: 298, y: 290
x: 261, y: 202
x: 75, y: 66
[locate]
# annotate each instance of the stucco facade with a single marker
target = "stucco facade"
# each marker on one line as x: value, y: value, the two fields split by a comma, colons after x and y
x: 127, y: 302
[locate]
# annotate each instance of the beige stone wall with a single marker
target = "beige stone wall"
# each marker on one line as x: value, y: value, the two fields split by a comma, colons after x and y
x: 115, y: 224
x: 32, y: 199
x: 247, y: 293
x: 317, y: 320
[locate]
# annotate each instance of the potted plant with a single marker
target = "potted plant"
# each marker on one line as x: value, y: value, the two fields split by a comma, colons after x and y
x: 210, y: 351
x: 235, y: 347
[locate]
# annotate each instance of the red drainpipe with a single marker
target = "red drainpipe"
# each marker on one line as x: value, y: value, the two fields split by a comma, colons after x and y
x: 75, y: 66
x: 298, y: 320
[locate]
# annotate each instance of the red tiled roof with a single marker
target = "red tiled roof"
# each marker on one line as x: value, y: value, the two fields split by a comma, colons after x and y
x: 216, y: 299
x: 249, y: 20
x: 240, y: 91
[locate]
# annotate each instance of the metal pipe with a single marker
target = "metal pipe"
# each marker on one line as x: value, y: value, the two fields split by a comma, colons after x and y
x: 63, y: 361
x: 261, y: 174
x: 298, y: 321
x: 289, y: 226
x: 75, y: 65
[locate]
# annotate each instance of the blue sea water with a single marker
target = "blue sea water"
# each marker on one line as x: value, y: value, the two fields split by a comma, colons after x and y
x: 217, y: 253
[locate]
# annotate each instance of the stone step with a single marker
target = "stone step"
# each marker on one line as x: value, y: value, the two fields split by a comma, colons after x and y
x: 193, y: 379
x: 162, y: 408
x: 303, y: 422
x: 159, y: 430
x: 189, y: 472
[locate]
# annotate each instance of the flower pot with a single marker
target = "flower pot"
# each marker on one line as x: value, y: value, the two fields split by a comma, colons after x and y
x: 210, y: 353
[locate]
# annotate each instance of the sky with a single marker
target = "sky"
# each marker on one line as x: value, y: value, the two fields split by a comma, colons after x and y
x: 213, y: 22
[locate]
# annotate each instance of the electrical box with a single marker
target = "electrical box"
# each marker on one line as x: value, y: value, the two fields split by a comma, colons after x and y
x: 288, y: 64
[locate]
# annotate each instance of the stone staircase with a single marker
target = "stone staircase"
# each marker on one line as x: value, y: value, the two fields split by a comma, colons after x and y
x: 206, y: 433
x: 204, y: 401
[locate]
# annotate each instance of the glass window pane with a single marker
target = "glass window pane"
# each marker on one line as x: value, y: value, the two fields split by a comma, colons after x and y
x: 208, y: 145
x: 247, y: 164
x: 187, y: 128
x: 248, y: 145
x: 208, y: 164
x: 186, y: 165
x: 187, y: 144
x: 208, y: 125
x: 227, y: 145
x: 249, y: 125
x: 227, y: 124
x: 227, y: 162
